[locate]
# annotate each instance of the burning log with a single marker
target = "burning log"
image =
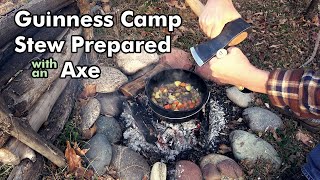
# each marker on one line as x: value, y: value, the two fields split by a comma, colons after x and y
x: 9, y: 29
x: 58, y: 117
x: 37, y: 116
x: 132, y: 88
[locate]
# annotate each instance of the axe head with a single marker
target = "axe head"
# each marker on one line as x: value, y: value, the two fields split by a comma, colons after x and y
x: 232, y: 34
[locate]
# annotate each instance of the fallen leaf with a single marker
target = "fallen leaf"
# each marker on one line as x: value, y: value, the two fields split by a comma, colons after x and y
x: 145, y: 177
x: 304, y: 138
x: 80, y: 152
x: 82, y: 173
x: 176, y: 4
x: 224, y: 149
x: 315, y: 20
x: 88, y: 133
x: 106, y: 177
x: 282, y: 21
x: 74, y: 160
x: 88, y: 91
x: 74, y: 163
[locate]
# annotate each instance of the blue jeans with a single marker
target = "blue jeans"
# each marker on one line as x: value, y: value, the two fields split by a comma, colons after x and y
x: 312, y: 168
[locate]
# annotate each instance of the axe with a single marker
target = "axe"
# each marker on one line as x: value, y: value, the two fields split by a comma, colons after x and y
x: 232, y: 34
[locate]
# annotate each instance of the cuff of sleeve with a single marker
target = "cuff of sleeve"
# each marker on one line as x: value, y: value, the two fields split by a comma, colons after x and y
x: 283, y: 87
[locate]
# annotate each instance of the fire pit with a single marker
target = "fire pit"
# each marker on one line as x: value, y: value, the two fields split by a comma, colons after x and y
x: 161, y: 140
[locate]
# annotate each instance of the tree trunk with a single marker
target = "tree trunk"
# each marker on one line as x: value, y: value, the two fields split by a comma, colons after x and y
x: 58, y: 117
x: 37, y: 116
x: 22, y: 93
x: 8, y: 50
x: 13, y: 62
x: 25, y: 134
x: 25, y: 90
x: 9, y: 29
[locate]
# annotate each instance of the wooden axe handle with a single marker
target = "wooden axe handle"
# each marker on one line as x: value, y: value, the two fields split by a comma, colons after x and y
x: 197, y: 7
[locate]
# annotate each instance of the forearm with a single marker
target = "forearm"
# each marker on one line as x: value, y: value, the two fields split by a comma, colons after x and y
x: 255, y: 80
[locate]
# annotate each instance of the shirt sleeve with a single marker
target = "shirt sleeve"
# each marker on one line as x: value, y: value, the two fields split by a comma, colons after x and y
x: 295, y: 90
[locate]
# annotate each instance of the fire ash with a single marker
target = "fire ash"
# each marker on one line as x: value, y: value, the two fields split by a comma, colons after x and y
x: 174, y: 138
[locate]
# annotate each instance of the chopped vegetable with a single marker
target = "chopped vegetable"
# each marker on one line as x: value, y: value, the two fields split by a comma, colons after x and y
x: 177, y: 83
x: 188, y: 87
x: 176, y: 96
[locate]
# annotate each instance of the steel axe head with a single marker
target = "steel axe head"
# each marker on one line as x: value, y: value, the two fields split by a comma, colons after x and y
x: 232, y: 34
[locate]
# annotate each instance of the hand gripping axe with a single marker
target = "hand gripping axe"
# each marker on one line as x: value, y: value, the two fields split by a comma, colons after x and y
x: 232, y: 34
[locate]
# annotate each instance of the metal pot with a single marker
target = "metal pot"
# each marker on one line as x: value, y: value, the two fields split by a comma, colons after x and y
x: 169, y: 76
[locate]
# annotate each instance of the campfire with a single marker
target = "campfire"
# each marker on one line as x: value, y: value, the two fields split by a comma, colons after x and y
x: 154, y: 135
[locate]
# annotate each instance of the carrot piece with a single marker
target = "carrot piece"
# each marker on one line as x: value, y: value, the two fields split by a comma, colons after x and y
x: 168, y: 106
x: 183, y: 84
x: 180, y: 106
x: 162, y: 89
x: 191, y: 105
x: 176, y: 102
x: 185, y: 104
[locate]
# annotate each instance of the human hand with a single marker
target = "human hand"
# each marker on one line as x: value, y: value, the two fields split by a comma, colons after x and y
x: 215, y: 15
x: 234, y: 69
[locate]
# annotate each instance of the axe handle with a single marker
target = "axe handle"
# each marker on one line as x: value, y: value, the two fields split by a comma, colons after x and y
x: 196, y: 6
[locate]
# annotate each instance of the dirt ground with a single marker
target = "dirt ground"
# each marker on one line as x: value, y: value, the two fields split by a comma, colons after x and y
x: 281, y: 38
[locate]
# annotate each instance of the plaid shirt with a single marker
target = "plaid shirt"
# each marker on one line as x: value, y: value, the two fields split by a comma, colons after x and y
x: 295, y: 90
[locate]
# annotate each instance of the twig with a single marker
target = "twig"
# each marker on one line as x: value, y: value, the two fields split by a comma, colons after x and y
x: 314, y: 53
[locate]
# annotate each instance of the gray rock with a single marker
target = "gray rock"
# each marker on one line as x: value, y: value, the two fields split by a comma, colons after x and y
x: 99, y: 154
x: 111, y: 103
x: 129, y: 164
x: 130, y: 63
x: 216, y: 166
x: 110, y: 127
x: 187, y: 170
x: 89, y: 113
x: 239, y: 98
x: 109, y: 81
x: 248, y: 146
x: 260, y: 119
x: 158, y: 171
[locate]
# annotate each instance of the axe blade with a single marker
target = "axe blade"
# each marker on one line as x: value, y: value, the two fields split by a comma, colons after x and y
x: 203, y: 52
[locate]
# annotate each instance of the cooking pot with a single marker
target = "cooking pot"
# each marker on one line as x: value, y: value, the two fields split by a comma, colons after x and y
x: 169, y: 76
